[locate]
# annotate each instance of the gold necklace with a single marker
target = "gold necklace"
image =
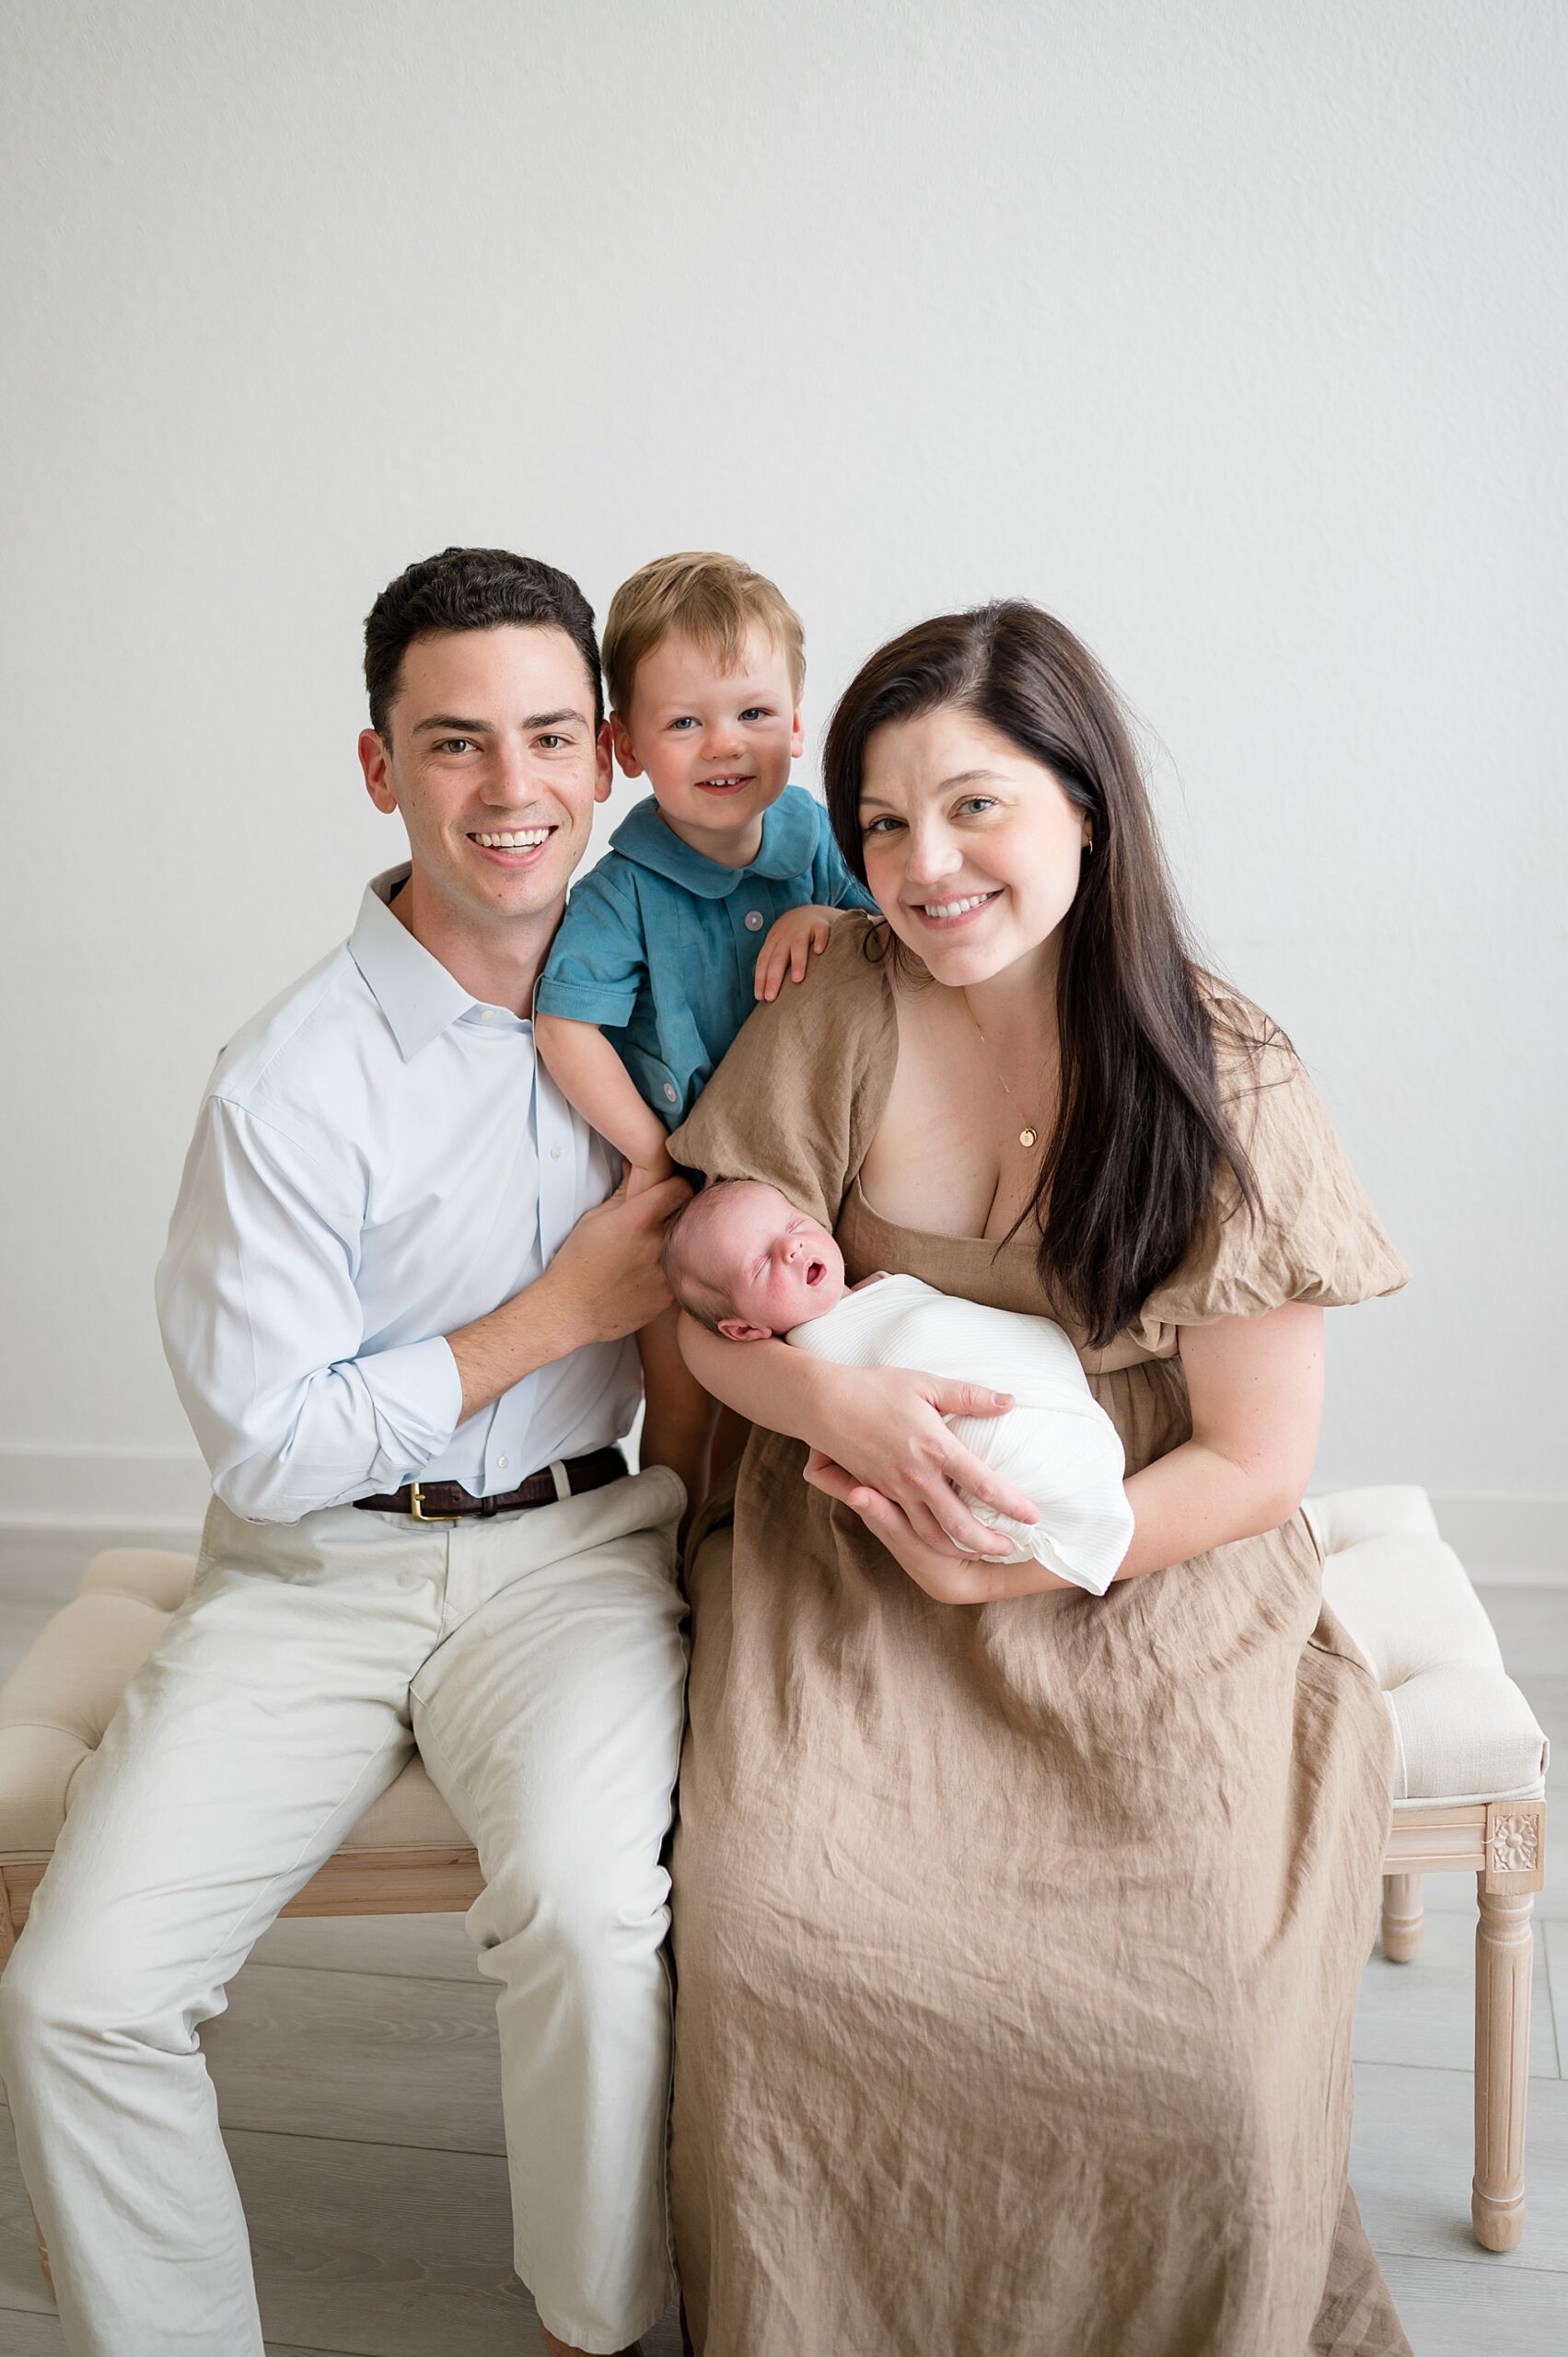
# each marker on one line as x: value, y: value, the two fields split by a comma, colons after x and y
x: 1029, y: 1134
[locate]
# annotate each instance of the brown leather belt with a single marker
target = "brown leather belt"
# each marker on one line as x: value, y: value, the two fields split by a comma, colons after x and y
x: 450, y: 1502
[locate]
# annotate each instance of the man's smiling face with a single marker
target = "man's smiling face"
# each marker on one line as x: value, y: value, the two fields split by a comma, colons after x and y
x: 494, y: 761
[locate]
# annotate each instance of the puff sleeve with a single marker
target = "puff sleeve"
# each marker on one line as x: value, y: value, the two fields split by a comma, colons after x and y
x: 1314, y: 1236
x: 798, y: 1098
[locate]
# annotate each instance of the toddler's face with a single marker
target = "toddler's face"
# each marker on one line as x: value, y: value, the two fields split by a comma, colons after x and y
x: 778, y: 1267
x: 717, y: 749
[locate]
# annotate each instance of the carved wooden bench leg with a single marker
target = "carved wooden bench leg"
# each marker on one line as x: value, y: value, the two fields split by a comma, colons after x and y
x: 1505, y: 1891
x: 1404, y: 1920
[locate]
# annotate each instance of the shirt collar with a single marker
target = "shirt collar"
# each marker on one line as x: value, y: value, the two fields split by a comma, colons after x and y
x: 418, y: 998
x: 789, y: 846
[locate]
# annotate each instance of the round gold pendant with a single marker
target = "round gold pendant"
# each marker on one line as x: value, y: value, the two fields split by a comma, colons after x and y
x: 1028, y: 1137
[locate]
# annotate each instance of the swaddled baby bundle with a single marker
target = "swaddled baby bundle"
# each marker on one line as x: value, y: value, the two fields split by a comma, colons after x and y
x: 1057, y: 1444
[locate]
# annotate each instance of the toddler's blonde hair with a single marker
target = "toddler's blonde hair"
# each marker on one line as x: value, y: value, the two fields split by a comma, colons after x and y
x: 699, y: 595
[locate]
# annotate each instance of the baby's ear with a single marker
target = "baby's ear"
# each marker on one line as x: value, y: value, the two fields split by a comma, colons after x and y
x: 735, y: 1329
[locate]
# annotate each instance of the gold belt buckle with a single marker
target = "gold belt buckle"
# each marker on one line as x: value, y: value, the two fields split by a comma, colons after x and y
x: 416, y: 1506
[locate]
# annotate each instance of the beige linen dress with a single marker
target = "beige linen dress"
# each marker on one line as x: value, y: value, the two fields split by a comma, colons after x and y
x: 1016, y: 1944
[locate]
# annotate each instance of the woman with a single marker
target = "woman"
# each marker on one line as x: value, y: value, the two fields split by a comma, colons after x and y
x: 1018, y: 1931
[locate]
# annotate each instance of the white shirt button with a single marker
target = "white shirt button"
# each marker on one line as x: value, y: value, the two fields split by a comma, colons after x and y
x: 671, y: 1091
x: 556, y: 1153
x: 502, y: 1463
x: 487, y: 1015
x: 754, y: 919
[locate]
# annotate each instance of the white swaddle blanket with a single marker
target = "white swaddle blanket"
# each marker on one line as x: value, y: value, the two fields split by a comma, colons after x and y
x: 1057, y: 1444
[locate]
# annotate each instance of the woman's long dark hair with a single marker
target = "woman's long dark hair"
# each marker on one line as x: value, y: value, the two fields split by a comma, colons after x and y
x: 1129, y: 1169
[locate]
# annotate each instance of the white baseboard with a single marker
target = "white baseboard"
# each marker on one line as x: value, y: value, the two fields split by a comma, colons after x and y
x: 1523, y: 1540
x: 126, y: 1490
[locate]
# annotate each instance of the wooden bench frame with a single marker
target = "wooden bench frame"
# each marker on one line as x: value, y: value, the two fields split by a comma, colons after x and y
x: 1501, y: 1842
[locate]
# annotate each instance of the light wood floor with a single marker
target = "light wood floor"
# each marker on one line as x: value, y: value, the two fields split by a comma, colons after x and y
x: 357, y: 2075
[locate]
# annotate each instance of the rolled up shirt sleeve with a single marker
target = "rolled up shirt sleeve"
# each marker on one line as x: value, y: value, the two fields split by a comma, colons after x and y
x: 264, y: 1332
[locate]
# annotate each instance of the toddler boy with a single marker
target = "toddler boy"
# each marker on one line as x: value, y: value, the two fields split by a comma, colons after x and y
x: 714, y: 889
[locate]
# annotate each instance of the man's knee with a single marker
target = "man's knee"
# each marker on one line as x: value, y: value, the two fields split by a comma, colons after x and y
x: 41, y: 2008
x: 65, y: 1995
x: 589, y: 1903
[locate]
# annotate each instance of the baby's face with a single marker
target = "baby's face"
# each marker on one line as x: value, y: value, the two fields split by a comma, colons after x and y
x: 778, y: 1267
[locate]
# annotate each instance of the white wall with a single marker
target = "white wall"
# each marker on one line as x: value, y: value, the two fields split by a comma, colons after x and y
x: 1233, y: 334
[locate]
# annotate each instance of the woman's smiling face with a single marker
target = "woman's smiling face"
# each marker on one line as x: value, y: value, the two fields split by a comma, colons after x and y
x: 973, y: 848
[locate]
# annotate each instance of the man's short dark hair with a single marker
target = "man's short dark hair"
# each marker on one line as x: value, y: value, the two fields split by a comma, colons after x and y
x: 472, y: 589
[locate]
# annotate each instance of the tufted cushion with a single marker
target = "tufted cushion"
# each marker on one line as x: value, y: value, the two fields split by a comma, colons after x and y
x: 151, y: 1574
x: 1463, y: 1731
x: 61, y: 1695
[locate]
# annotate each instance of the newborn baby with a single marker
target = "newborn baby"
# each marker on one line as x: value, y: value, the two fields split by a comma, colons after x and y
x: 742, y: 1259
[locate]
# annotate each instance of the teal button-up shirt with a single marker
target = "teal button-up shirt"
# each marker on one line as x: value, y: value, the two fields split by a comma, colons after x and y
x: 658, y: 946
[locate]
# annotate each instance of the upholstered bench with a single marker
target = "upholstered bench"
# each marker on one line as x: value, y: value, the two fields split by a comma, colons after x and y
x: 1469, y: 1785
x: 1469, y: 1781
x: 406, y: 1856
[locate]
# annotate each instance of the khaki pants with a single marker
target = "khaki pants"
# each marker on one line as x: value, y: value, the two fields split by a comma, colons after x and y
x: 537, y: 1661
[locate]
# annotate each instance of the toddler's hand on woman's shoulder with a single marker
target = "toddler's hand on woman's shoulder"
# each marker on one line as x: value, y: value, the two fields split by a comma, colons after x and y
x: 787, y: 950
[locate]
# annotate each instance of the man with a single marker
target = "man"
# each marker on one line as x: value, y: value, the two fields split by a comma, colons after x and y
x: 395, y: 1300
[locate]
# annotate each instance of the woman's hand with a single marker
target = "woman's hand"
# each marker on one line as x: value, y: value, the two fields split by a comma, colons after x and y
x: 882, y: 1424
x: 889, y: 1429
x: 951, y: 1578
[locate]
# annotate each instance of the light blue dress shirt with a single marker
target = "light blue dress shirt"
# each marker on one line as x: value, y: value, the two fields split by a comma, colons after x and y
x: 658, y: 946
x: 379, y: 1159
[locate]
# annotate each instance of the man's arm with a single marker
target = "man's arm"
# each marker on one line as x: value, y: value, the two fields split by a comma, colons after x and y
x: 605, y: 1282
x: 264, y: 1331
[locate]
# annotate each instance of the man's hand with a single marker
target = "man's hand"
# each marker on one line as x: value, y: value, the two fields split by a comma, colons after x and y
x: 608, y: 1267
x: 605, y: 1282
x: 788, y: 948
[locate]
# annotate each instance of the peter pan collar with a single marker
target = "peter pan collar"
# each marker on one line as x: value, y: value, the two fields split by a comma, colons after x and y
x: 788, y: 847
